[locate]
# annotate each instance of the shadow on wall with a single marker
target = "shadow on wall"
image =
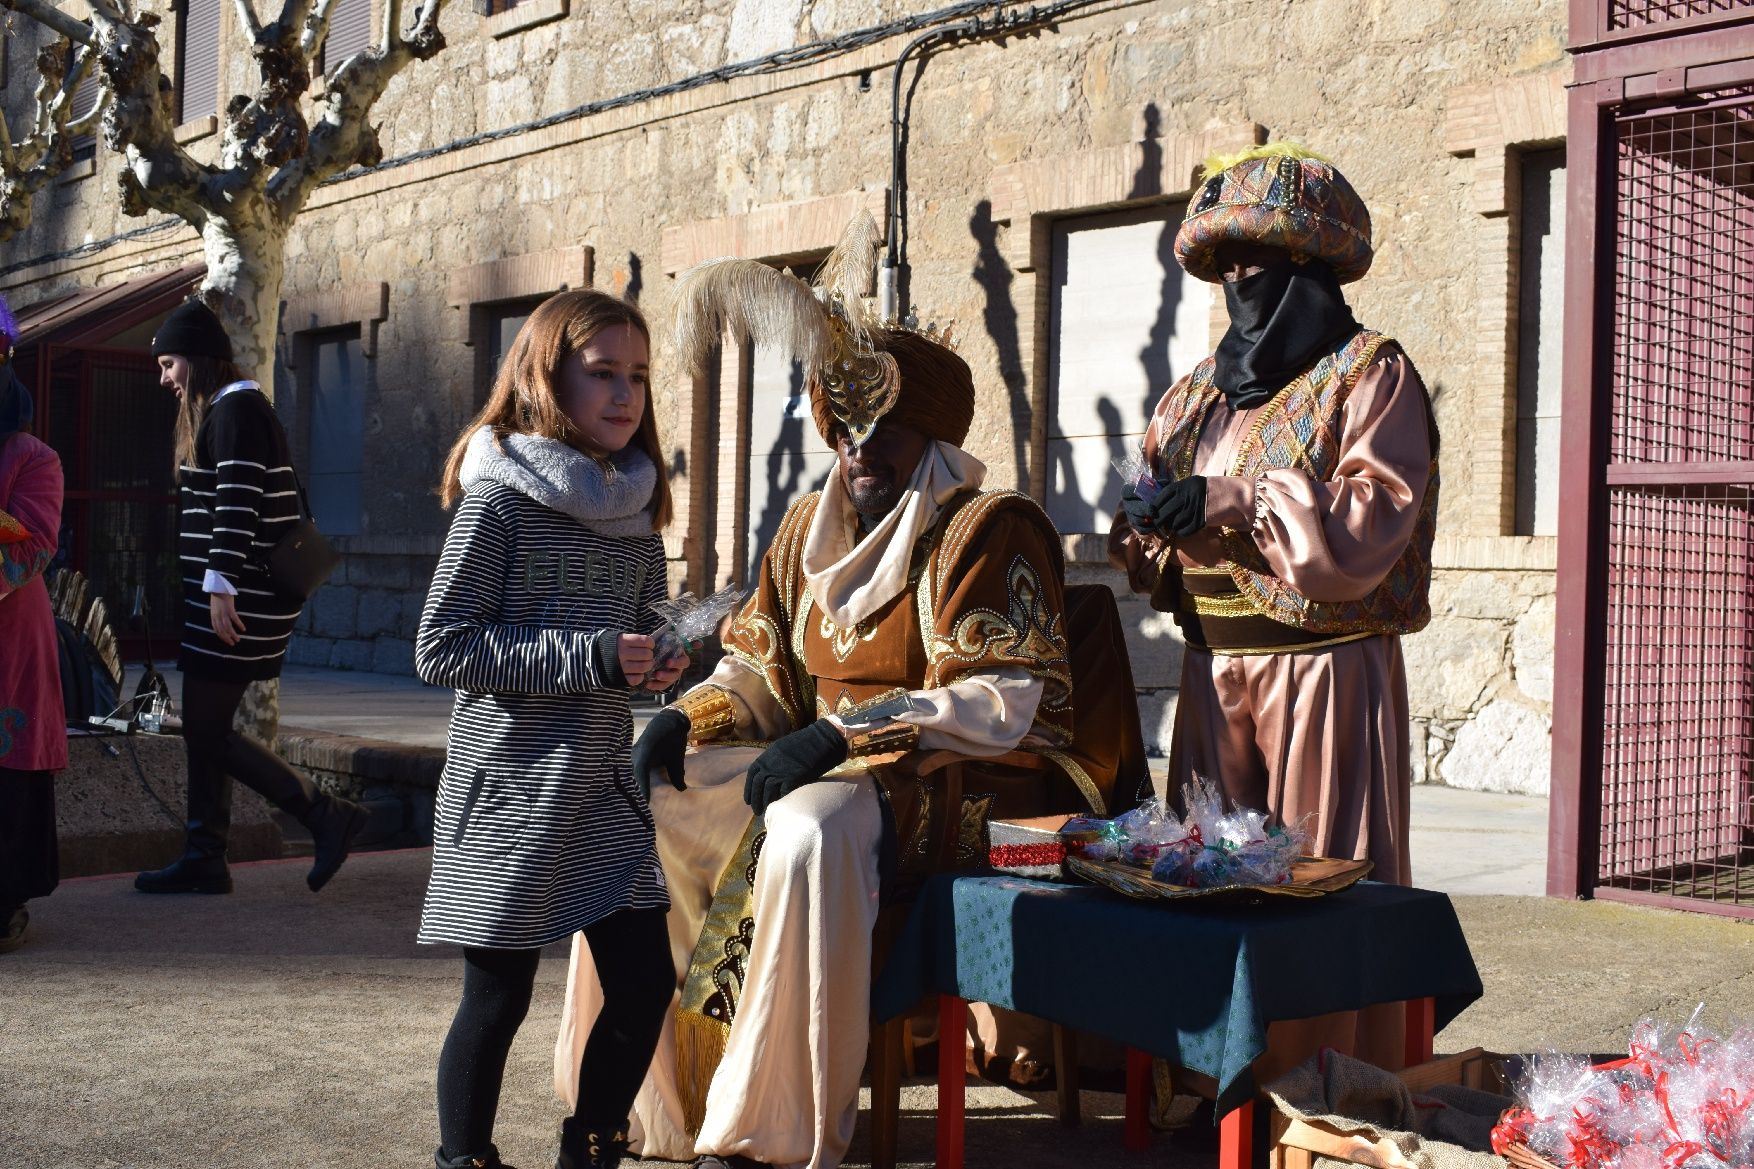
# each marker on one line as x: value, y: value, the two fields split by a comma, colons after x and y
x: 994, y: 277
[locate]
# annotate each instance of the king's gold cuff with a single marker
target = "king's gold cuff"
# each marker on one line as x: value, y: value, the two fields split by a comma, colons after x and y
x: 884, y: 739
x: 710, y: 712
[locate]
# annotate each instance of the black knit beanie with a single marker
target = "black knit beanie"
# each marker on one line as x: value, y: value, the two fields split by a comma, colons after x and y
x: 192, y: 330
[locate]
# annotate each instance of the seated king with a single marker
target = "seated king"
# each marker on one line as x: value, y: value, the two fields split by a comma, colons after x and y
x: 900, y: 608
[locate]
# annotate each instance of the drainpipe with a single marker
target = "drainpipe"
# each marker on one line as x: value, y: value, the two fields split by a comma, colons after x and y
x: 888, y: 306
x: 1000, y: 24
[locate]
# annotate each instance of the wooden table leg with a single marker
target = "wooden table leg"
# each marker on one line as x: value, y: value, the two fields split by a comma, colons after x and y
x: 952, y: 1079
x: 1236, y: 1137
x: 1421, y: 1025
x: 1137, y: 1133
x: 1066, y: 1075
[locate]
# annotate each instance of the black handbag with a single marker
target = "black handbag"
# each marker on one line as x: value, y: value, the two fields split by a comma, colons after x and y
x: 301, y: 560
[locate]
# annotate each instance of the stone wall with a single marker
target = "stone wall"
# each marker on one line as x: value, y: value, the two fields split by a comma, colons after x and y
x: 1113, y: 107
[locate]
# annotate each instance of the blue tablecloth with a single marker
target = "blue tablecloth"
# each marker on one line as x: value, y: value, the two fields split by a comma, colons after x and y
x: 1192, y: 982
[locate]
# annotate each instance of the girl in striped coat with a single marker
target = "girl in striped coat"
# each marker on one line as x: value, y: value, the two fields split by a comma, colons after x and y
x: 238, y: 496
x: 540, y: 616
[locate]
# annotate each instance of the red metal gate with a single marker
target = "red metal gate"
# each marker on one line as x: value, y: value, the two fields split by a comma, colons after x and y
x: 1654, y: 700
x: 112, y: 424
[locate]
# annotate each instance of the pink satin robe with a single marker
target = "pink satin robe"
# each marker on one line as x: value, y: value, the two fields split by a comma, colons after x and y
x: 1322, y: 732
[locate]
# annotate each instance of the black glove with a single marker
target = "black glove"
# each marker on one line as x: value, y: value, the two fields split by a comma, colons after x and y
x: 1177, y: 509
x: 791, y: 762
x: 661, y: 745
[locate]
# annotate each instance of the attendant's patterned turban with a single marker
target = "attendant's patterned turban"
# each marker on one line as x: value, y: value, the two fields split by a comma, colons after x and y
x: 1279, y: 196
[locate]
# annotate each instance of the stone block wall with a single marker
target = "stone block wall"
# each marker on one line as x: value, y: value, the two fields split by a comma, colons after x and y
x: 1421, y: 102
x: 367, y: 615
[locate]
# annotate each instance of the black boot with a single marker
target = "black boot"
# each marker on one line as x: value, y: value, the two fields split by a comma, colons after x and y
x: 333, y: 822
x: 13, y: 923
x: 488, y: 1160
x: 190, y: 874
x: 584, y: 1145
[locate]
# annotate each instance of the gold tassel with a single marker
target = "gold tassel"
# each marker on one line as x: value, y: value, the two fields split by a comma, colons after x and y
x: 700, y: 1046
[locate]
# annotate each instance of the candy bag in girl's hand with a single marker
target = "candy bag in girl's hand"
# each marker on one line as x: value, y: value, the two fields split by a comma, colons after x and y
x: 688, y: 621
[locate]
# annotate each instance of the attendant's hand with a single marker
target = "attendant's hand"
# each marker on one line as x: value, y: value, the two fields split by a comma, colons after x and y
x: 800, y: 758
x: 634, y: 653
x: 222, y: 612
x: 661, y: 746
x: 1175, y: 509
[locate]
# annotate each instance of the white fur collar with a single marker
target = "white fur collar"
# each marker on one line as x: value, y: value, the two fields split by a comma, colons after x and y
x: 614, y: 499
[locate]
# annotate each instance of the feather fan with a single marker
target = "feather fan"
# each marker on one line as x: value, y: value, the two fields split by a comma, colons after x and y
x: 748, y: 299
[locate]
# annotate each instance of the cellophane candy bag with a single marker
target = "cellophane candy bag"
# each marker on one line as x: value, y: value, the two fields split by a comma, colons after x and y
x: 1682, y: 1099
x: 689, y: 619
x: 1135, y: 472
x: 1149, y: 831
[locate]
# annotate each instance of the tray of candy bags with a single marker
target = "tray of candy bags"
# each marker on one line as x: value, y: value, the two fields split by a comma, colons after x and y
x: 1682, y: 1099
x: 1153, y: 854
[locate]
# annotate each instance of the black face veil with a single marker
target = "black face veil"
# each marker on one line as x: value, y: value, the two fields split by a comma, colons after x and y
x: 1282, y: 319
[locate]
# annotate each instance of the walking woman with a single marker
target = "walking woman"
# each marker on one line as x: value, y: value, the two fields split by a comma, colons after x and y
x: 33, y: 732
x: 540, y: 616
x: 238, y: 495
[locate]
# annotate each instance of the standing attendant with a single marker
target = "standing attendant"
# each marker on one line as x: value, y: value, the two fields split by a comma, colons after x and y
x: 33, y: 732
x: 540, y: 615
x: 238, y: 495
x: 1289, y: 530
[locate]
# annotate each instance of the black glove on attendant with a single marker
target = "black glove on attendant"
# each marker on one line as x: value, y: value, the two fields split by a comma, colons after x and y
x: 791, y: 762
x: 1177, y: 509
x: 662, y: 744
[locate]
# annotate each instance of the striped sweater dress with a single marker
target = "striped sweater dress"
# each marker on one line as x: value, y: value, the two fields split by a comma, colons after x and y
x: 237, y: 501
x: 539, y: 829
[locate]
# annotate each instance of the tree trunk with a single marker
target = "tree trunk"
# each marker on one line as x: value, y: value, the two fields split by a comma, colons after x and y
x: 245, y: 265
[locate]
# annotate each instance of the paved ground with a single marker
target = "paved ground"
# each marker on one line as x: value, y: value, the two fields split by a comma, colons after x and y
x: 275, y: 1028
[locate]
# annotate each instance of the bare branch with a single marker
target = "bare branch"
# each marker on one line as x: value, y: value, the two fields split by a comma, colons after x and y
x: 248, y: 20
x: 28, y: 166
x: 342, y: 135
x: 51, y: 17
x: 316, y: 29
x: 392, y: 30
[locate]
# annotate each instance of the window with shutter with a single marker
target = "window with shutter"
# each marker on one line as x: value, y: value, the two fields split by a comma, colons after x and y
x: 1127, y: 323
x: 198, y: 60
x: 350, y: 31
x: 84, y: 100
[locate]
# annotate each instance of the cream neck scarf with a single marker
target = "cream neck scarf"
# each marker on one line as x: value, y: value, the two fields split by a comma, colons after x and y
x: 849, y: 578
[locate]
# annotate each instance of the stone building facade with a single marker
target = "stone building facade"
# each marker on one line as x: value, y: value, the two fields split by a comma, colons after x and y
x: 1037, y: 169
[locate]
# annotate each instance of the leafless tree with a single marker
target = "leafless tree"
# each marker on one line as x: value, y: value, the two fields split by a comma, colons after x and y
x: 277, y: 146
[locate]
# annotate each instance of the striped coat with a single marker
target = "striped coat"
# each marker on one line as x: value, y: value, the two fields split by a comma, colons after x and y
x: 539, y: 829
x: 237, y: 501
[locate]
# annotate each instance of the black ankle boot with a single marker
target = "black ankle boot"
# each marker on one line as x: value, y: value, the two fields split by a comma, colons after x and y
x: 333, y: 822
x: 587, y: 1145
x: 487, y: 1160
x: 191, y: 874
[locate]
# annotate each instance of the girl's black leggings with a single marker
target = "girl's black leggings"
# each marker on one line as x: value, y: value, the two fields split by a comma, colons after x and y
x: 632, y: 952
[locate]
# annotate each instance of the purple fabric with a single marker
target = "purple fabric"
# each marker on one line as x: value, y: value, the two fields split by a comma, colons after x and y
x: 33, y: 730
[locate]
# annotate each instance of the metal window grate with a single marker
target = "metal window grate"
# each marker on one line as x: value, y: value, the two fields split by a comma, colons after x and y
x: 1678, y: 738
x: 1678, y: 729
x: 1640, y: 13
x: 1683, y: 330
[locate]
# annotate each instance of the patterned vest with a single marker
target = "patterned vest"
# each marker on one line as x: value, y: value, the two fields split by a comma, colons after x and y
x: 1301, y: 428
